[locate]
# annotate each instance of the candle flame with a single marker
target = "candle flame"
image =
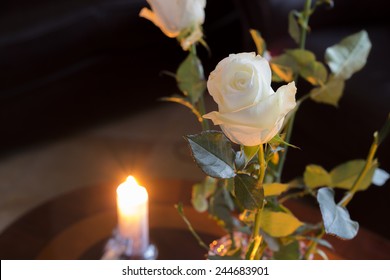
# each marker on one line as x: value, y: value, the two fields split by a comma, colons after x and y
x: 130, y: 193
x: 131, y: 180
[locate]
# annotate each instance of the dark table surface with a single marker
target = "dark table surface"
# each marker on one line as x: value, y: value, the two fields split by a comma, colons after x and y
x: 77, y: 225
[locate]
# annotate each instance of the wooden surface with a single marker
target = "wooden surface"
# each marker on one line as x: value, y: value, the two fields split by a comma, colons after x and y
x: 77, y: 225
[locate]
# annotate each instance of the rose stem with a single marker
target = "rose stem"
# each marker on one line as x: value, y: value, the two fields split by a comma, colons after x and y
x: 200, y: 104
x: 370, y: 157
x: 302, y: 42
x: 256, y: 228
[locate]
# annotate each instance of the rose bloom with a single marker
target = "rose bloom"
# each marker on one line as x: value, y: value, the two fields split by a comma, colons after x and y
x: 250, y: 113
x: 176, y: 16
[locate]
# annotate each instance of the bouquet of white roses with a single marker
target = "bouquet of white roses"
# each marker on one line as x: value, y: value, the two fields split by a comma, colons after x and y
x: 244, y: 162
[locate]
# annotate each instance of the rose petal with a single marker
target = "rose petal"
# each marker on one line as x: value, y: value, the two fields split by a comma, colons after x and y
x: 286, y: 96
x: 250, y: 112
x: 240, y: 86
x: 264, y: 114
x: 173, y: 16
x: 250, y: 136
x: 240, y: 80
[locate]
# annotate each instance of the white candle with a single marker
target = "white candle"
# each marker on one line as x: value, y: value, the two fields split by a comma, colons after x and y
x: 132, y: 205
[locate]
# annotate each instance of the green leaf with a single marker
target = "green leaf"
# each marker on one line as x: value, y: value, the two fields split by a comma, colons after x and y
x: 281, y: 73
x: 283, y: 68
x: 213, y: 153
x: 279, y: 224
x: 198, y: 200
x: 272, y: 243
x: 315, y: 176
x: 190, y: 78
x: 348, y: 56
x: 298, y: 61
x: 322, y: 242
x: 302, y: 57
x: 274, y: 189
x: 308, y: 67
x: 315, y: 73
x: 344, y: 175
x: 293, y: 26
x: 220, y: 210
x: 330, y: 93
x: 336, y: 218
x: 259, y: 41
x: 201, y: 192
x: 291, y: 251
x: 227, y: 195
x: 344, y: 59
x: 239, y: 160
x: 277, y: 139
x: 244, y: 156
x: 250, y: 153
x: 246, y: 192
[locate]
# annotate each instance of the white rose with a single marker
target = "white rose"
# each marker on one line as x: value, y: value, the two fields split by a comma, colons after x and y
x: 176, y: 16
x: 250, y: 113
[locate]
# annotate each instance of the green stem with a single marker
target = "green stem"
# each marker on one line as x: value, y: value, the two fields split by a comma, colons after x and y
x: 302, y: 99
x: 293, y: 195
x: 256, y: 237
x: 256, y: 227
x: 234, y: 246
x: 262, y: 166
x: 313, y: 244
x: 347, y: 198
x: 179, y: 208
x: 200, y: 105
x: 282, y: 160
x: 202, y: 111
x: 289, y: 126
x: 305, y: 25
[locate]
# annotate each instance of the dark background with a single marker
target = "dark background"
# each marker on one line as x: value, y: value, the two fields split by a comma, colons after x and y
x: 67, y: 66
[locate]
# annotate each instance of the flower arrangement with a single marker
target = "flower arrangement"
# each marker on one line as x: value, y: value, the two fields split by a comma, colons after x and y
x: 244, y: 162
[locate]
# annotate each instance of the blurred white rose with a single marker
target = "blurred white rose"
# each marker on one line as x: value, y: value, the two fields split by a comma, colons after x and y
x: 178, y: 18
x: 249, y: 111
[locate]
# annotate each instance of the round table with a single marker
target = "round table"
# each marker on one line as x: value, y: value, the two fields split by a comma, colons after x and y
x: 77, y: 225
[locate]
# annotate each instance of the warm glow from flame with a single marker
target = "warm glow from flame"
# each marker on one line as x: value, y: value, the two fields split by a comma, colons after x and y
x: 130, y: 194
x: 131, y: 180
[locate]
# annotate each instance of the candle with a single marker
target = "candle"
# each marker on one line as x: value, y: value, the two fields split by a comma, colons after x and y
x: 132, y: 206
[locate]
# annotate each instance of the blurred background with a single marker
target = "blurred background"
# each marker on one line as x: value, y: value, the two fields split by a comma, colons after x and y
x: 80, y: 82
